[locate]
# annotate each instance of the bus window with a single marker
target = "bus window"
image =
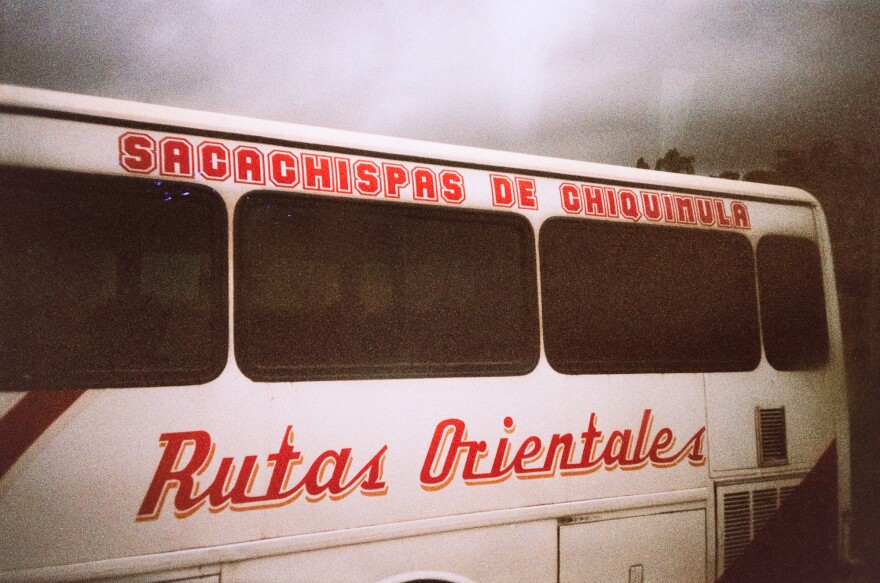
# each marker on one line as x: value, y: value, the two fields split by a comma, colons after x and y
x: 109, y: 282
x: 623, y: 298
x: 793, y: 317
x: 329, y: 288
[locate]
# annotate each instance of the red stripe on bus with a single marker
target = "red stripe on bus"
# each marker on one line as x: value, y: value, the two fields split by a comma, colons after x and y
x: 28, y: 419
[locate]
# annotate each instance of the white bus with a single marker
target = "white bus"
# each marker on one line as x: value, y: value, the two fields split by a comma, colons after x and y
x: 235, y: 350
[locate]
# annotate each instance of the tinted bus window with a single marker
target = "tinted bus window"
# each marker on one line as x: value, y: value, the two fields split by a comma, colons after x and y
x: 792, y: 303
x: 632, y: 298
x: 329, y: 288
x: 109, y: 282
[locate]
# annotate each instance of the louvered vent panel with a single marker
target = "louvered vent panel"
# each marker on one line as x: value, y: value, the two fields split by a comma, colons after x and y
x: 737, y: 526
x: 745, y: 511
x: 764, y: 505
x: 772, y: 442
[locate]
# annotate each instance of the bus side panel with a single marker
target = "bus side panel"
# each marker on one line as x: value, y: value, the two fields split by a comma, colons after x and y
x: 485, y: 555
x: 99, y: 480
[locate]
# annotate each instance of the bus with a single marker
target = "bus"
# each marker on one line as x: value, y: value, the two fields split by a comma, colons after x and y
x: 235, y: 350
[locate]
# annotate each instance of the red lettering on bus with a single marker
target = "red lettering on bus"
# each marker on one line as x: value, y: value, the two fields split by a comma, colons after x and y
x: 137, y: 153
x: 424, y: 184
x: 740, y: 215
x: 723, y: 217
x: 571, y: 198
x: 214, y: 161
x: 452, y: 186
x: 624, y: 449
x: 283, y: 168
x: 525, y: 193
x: 629, y: 205
x: 343, y: 174
x: 651, y: 206
x: 317, y: 172
x: 367, y: 181
x: 668, y: 208
x: 594, y: 203
x: 611, y: 200
x: 175, y: 157
x: 329, y: 474
x: 705, y: 211
x: 248, y: 165
x: 396, y: 177
x: 502, y: 191
x: 684, y: 210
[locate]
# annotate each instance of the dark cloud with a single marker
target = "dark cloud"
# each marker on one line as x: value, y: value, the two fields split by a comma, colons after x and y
x: 727, y: 82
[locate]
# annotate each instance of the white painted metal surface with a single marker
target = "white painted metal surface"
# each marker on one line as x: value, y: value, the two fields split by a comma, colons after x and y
x: 69, y: 506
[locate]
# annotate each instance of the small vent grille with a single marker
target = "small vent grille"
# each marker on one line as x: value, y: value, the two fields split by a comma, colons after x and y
x: 772, y: 442
x: 745, y: 511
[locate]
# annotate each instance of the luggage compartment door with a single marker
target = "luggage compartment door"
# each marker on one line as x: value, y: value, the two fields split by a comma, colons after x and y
x: 656, y: 548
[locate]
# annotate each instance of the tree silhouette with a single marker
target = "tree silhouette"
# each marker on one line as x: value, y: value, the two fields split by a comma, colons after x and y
x: 672, y: 161
x: 763, y: 176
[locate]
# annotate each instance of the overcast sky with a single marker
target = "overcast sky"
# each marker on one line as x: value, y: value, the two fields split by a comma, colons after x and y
x: 727, y: 82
